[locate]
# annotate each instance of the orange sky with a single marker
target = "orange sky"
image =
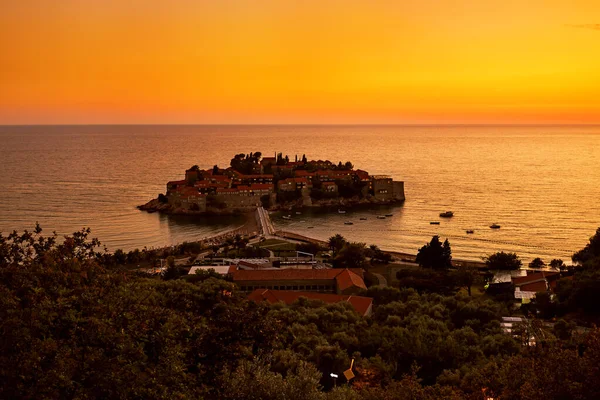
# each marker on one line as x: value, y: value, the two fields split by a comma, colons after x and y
x: 309, y: 61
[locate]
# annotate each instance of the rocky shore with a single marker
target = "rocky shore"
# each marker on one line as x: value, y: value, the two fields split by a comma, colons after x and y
x: 155, y: 205
x: 338, y: 202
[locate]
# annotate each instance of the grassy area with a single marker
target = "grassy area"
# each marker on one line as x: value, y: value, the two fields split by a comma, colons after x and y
x: 277, y: 245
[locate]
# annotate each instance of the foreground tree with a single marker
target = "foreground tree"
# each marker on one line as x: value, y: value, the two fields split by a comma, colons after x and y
x: 435, y: 254
x: 503, y: 261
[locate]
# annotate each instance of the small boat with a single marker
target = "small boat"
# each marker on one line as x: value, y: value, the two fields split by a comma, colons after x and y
x: 287, y: 217
x: 469, y: 231
x: 310, y: 227
x: 381, y: 217
x: 495, y: 226
x: 447, y: 214
x: 348, y: 223
x: 298, y: 213
x: 434, y: 223
x: 389, y: 215
x: 341, y: 212
x: 363, y: 218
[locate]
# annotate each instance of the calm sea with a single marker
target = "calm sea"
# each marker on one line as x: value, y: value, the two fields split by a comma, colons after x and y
x: 541, y: 183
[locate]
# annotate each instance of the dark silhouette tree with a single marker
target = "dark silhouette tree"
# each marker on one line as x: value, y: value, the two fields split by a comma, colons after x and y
x: 537, y: 263
x: 435, y: 254
x: 503, y: 261
x: 590, y: 251
x: 336, y: 243
x: 557, y: 263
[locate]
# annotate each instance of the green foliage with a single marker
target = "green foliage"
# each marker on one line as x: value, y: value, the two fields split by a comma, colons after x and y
x: 377, y: 256
x: 288, y: 196
x: 427, y: 281
x: 503, y: 261
x: 590, y: 251
x: 336, y: 243
x: 351, y: 255
x: 435, y: 254
x: 246, y: 163
x: 557, y: 263
x: 349, y: 188
x: 537, y: 263
x: 74, y: 325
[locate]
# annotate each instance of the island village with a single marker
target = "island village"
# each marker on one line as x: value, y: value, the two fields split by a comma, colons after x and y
x: 274, y: 265
x: 275, y: 182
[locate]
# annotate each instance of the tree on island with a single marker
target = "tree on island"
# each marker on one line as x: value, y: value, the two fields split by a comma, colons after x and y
x: 435, y: 255
x: 537, y: 263
x: 503, y: 261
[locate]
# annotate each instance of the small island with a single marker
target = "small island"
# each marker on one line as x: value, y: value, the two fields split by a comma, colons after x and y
x: 274, y: 183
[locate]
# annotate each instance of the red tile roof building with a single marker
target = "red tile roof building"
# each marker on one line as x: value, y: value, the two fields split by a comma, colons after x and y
x: 541, y: 281
x: 340, y: 281
x: 362, y: 305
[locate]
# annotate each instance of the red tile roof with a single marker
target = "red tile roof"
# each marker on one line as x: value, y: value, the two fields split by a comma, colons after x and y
x: 362, y: 305
x: 349, y: 279
x: 536, y: 276
x: 304, y: 173
x: 345, y: 278
x: 182, y: 182
x: 539, y: 286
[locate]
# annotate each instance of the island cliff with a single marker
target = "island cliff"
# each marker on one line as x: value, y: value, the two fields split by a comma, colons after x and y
x: 274, y: 183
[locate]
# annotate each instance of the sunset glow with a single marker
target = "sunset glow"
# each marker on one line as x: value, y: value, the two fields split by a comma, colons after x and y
x: 274, y: 61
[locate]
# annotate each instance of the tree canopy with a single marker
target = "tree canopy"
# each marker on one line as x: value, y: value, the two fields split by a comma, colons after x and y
x: 503, y: 261
x: 74, y: 324
x: 435, y: 254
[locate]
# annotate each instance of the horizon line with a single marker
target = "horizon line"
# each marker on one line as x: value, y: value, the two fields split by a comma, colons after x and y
x: 303, y: 124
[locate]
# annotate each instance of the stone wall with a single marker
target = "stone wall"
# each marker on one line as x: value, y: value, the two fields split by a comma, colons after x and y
x: 398, y: 190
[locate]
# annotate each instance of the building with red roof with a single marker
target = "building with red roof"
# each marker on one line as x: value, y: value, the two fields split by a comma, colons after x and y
x: 362, y: 305
x: 534, y: 282
x: 339, y: 281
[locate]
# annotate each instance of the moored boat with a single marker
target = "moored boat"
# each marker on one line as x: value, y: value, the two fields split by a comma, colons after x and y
x: 363, y: 218
x: 341, y: 212
x: 381, y: 217
x: 447, y: 214
x: 470, y: 231
x: 348, y: 223
x: 287, y: 217
x: 434, y: 223
x: 495, y: 226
